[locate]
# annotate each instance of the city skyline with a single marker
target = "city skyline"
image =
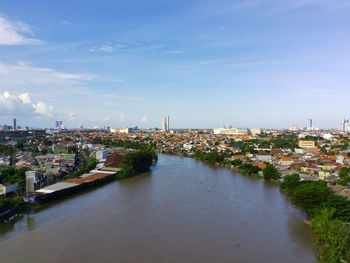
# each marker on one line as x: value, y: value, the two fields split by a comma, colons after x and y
x: 164, y: 126
x: 248, y: 63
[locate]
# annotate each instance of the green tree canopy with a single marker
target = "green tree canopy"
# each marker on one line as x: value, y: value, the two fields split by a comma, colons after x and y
x: 290, y: 182
x: 270, y: 172
x: 310, y: 195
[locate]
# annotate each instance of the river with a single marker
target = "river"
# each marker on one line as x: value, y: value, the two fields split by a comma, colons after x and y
x: 182, y: 211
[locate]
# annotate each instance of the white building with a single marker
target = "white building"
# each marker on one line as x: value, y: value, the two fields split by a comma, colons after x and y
x: 309, y: 126
x: 345, y: 125
x: 100, y: 155
x: 8, y: 188
x: 294, y: 128
x: 255, y: 131
x: 232, y: 131
x: 165, y: 123
x: 327, y: 136
x: 187, y: 146
x: 122, y: 130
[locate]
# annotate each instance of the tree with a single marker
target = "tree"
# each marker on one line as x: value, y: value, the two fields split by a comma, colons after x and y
x: 341, y: 206
x: 290, y: 182
x: 344, y: 177
x: 334, y: 235
x: 20, y: 145
x: 71, y: 149
x: 270, y: 172
x: 344, y: 172
x: 310, y: 195
x: 236, y: 162
x: 136, y: 163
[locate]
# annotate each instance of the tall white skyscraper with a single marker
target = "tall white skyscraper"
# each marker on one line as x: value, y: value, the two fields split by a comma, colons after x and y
x: 309, y: 126
x: 165, y: 123
x: 345, y: 125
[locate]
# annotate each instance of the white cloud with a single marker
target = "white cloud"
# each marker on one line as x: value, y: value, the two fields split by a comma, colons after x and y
x: 43, y: 109
x: 144, y: 119
x: 174, y: 52
x: 13, y: 33
x: 9, y: 103
x: 21, y: 77
x: 21, y: 105
x: 103, y: 48
x: 25, y: 98
x: 106, y: 48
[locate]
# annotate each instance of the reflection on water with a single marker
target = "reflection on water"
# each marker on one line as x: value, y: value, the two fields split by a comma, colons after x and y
x: 30, y: 222
x: 184, y: 211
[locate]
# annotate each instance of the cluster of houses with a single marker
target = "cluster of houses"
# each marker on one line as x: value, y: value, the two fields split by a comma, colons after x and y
x: 56, y: 165
x: 4, y: 161
x: 307, y: 159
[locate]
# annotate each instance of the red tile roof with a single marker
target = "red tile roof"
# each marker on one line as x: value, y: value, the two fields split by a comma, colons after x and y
x: 114, y: 160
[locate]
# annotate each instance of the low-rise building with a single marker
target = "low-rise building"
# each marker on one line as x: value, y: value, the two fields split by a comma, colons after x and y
x: 306, y: 144
x: 8, y: 188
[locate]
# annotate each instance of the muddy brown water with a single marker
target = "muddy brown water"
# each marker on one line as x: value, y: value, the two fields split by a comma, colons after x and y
x: 182, y: 211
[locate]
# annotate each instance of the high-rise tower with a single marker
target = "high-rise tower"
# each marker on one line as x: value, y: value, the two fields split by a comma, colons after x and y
x: 345, y: 125
x: 309, y: 126
x: 14, y: 124
x: 165, y: 123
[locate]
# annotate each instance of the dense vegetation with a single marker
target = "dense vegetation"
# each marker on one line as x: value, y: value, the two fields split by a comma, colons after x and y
x: 247, y: 168
x: 211, y: 158
x: 12, y: 175
x: 136, y: 163
x: 344, y: 178
x: 271, y: 173
x: 10, y: 203
x: 330, y: 215
x: 6, y: 149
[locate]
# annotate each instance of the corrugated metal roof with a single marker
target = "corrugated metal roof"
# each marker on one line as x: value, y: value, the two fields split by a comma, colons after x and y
x: 56, y: 187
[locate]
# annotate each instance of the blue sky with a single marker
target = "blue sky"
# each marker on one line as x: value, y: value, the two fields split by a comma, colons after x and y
x: 253, y: 63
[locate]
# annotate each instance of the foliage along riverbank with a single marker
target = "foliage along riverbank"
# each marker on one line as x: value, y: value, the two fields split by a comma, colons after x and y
x: 13, y: 205
x: 329, y: 213
x: 135, y: 163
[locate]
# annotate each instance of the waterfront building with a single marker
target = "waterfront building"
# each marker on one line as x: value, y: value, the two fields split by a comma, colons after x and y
x: 8, y: 188
x: 30, y: 180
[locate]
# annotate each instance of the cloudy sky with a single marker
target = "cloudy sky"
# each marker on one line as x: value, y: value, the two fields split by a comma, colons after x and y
x: 254, y: 63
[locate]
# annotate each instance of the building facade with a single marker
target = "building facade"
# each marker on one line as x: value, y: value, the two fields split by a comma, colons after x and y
x: 165, y: 123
